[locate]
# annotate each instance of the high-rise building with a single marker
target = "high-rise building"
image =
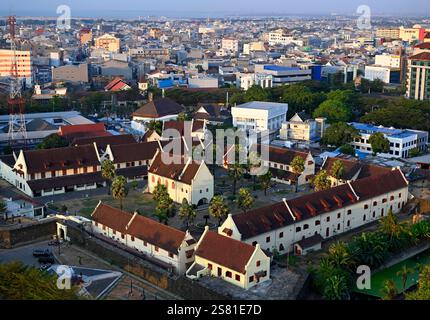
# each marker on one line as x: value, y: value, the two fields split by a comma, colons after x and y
x: 108, y: 42
x: 23, y: 61
x: 418, y: 83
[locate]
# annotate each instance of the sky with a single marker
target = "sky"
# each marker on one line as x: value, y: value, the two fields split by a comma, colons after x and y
x: 201, y: 8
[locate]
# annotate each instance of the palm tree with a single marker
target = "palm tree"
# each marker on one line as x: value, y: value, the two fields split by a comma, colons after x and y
x: 156, y: 126
x: 389, y: 290
x: 236, y: 173
x: 321, y: 181
x: 254, y: 163
x: 218, y: 208
x: 336, y: 288
x: 337, y: 170
x: 390, y: 225
x: 298, y: 166
x: 187, y: 212
x: 340, y: 256
x: 164, y: 208
x: 246, y: 200
x: 119, y: 189
x: 108, y: 172
x: 370, y: 248
x: 266, y: 181
x: 404, y: 273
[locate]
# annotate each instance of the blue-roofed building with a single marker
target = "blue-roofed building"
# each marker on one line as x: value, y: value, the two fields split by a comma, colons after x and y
x: 402, y: 141
x: 282, y: 75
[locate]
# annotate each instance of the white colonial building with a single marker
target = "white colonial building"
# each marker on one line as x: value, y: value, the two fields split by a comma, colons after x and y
x: 183, y: 178
x: 233, y: 261
x: 164, y: 245
x: 320, y: 215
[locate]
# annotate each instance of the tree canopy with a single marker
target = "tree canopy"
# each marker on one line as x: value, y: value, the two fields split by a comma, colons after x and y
x: 52, y: 141
x: 379, y: 143
x: 339, y: 134
x: 334, y: 111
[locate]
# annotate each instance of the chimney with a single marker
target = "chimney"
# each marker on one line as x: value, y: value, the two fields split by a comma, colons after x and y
x: 150, y: 96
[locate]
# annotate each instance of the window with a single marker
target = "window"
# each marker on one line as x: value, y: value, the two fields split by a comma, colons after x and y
x: 210, y: 266
x: 228, y: 274
x: 338, y: 215
x: 391, y: 198
x: 364, y: 218
x: 348, y: 223
x: 145, y: 243
x: 237, y: 277
x: 373, y: 214
x: 156, y: 249
x: 104, y: 228
x: 298, y: 229
x: 384, y: 200
x: 251, y: 279
x: 375, y: 203
x: 267, y: 239
x: 122, y: 236
x: 153, y: 179
x: 170, y: 255
x: 382, y: 212
x: 132, y: 238
x: 113, y: 232
x: 348, y: 212
x: 328, y: 219
x: 366, y: 206
x: 258, y: 263
x: 400, y: 195
x: 254, y: 243
x: 173, y: 185
x: 281, y: 235
x: 317, y: 222
x: 305, y: 227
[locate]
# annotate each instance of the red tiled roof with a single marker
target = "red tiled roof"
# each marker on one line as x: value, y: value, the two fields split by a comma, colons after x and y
x: 156, y: 233
x: 424, y: 45
x: 111, y: 217
x: 78, y: 128
x: 103, y: 141
x: 159, y: 108
x: 134, y: 151
x: 116, y: 85
x: 197, y: 125
x: 352, y: 167
x: 266, y: 219
x: 423, y: 56
x: 225, y: 251
x: 61, y: 158
x: 179, y: 170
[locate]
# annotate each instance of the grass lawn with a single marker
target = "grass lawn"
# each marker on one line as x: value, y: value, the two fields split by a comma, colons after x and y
x: 378, y: 279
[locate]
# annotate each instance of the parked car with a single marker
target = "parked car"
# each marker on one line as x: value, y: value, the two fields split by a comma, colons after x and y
x: 41, y: 252
x: 46, y: 259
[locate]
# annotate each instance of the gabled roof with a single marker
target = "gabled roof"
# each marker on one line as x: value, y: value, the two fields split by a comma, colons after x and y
x: 103, y: 141
x: 213, y: 112
x: 424, y: 45
x: 116, y: 84
x: 180, y: 126
x: 78, y: 128
x: 61, y: 158
x: 278, y: 215
x: 111, y: 217
x: 352, y: 167
x: 284, y: 155
x: 225, y: 251
x: 159, y: 108
x: 134, y: 151
x: 155, y: 233
x: 423, y: 56
x: 180, y: 170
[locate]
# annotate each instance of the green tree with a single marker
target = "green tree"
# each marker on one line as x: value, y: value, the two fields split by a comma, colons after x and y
x: 379, y: 143
x: 182, y: 116
x: 256, y: 93
x: 156, y: 126
x: 423, y: 290
x: 235, y: 172
x: 347, y: 149
x: 159, y: 192
x: 337, y: 169
x: 340, y: 256
x: 3, y: 209
x: 334, y: 110
x: 339, y: 134
x: 52, y: 141
x: 265, y: 181
x: 298, y: 166
x: 245, y: 200
x: 414, y: 152
x: 336, y: 288
x: 108, y: 172
x: 370, y: 248
x: 20, y: 282
x: 218, y: 208
x: 187, y: 212
x: 404, y: 273
x: 321, y: 181
x: 164, y: 209
x: 389, y: 290
x: 119, y: 189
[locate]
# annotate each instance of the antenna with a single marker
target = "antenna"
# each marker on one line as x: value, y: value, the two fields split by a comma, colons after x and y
x: 17, y: 127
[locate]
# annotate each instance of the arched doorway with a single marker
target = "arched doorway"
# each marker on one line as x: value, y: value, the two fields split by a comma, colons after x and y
x: 202, y: 201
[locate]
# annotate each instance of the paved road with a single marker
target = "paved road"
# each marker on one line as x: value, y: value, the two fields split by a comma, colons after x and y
x: 23, y: 254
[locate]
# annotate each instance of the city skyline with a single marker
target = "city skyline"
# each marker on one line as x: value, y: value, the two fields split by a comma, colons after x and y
x: 192, y: 8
